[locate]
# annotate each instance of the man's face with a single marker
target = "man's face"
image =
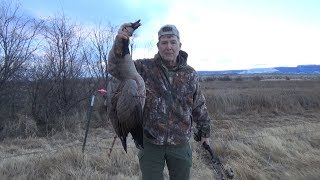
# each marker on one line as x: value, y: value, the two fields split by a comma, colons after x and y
x: 169, y: 47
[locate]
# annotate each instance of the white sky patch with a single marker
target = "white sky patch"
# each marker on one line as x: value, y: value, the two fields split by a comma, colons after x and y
x: 221, y: 39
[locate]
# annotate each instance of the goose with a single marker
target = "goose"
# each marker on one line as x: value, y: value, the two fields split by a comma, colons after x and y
x: 128, y: 101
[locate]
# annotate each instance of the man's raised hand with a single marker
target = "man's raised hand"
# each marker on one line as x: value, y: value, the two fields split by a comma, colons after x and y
x: 126, y: 30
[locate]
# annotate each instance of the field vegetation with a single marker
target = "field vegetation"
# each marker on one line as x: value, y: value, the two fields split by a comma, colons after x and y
x: 262, y: 129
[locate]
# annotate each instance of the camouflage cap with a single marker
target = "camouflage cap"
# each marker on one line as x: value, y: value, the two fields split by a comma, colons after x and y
x: 168, y: 29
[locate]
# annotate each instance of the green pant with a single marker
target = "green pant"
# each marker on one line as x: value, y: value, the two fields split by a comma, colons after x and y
x: 152, y: 160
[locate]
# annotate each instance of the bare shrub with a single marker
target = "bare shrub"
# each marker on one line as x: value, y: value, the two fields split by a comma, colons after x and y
x: 257, y: 78
x: 58, y: 83
x: 207, y: 78
x: 225, y: 78
x: 238, y: 78
x: 18, y: 34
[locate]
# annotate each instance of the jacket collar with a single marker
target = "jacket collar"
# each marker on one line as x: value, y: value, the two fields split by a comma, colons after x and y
x: 181, y: 60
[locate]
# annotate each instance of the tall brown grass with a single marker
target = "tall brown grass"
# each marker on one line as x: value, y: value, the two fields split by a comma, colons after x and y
x: 261, y: 97
x: 262, y: 129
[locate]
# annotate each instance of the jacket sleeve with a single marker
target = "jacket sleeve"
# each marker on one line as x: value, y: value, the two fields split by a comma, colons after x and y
x: 200, y: 113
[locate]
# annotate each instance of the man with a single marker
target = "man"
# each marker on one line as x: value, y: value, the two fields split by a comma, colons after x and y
x: 173, y: 102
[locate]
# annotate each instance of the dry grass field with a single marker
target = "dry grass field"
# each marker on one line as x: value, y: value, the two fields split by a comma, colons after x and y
x: 262, y: 129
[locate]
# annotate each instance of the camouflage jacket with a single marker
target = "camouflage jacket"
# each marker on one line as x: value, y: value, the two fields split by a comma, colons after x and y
x: 173, y: 100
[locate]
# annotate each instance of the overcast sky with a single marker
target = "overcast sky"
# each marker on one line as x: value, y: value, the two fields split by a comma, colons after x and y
x: 217, y: 34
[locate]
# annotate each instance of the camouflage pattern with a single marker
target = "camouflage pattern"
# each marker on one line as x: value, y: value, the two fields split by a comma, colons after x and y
x: 173, y: 100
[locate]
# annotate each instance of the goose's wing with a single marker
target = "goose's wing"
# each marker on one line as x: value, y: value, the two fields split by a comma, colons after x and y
x: 127, y: 102
x: 120, y: 129
x: 126, y: 112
